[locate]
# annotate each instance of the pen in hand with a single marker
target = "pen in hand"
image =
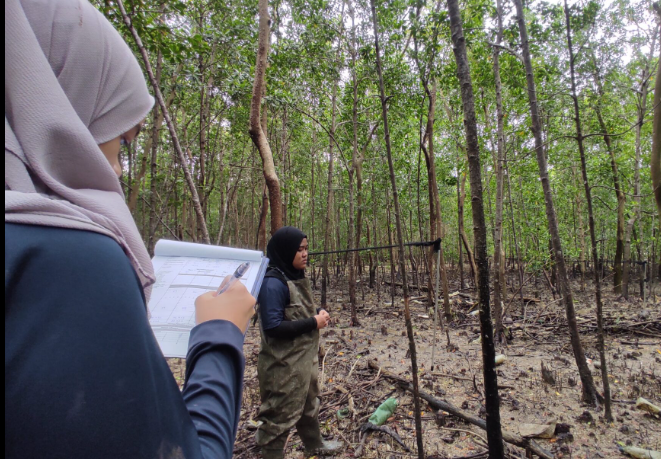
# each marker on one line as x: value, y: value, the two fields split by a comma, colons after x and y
x: 238, y: 274
x: 236, y: 305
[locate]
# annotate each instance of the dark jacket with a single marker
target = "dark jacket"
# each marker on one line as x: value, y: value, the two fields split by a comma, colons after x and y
x: 84, y: 375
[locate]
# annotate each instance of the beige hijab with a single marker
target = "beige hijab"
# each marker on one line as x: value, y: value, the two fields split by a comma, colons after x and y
x: 71, y: 83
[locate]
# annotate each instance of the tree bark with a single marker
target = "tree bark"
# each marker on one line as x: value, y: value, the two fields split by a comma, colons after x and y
x: 263, y: 214
x: 589, y: 390
x: 593, y: 236
x: 462, y: 229
x: 256, y: 131
x: 400, y: 238
x: 494, y: 432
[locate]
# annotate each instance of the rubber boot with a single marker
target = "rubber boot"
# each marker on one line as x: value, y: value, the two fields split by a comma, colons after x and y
x: 327, y: 448
x: 273, y: 453
x: 315, y: 445
x: 276, y: 448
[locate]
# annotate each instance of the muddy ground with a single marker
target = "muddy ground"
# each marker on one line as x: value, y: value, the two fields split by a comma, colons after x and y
x: 634, y: 356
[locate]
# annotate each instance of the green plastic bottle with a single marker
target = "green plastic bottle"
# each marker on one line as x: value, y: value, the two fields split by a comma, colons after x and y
x: 384, y: 412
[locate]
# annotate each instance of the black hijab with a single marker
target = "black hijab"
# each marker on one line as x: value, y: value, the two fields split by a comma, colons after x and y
x: 281, y: 251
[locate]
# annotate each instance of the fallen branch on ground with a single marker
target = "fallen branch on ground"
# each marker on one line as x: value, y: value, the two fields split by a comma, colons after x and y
x: 369, y: 427
x: 437, y: 404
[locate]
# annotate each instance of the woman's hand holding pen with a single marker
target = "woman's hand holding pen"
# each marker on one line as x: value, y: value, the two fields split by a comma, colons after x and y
x: 235, y: 305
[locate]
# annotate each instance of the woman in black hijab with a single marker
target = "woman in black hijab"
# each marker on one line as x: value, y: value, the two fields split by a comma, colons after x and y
x: 288, y: 362
x: 282, y: 250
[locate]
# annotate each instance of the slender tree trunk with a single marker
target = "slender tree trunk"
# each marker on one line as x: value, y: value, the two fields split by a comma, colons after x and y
x: 153, y: 170
x: 581, y: 234
x: 351, y: 244
x: 494, y: 432
x: 460, y: 222
x: 229, y: 198
x: 374, y: 258
x: 619, y: 193
x: 222, y: 213
x: 195, y: 198
x: 460, y: 201
x: 184, y: 217
x: 157, y: 120
x: 499, y: 286
x: 263, y: 214
x: 621, y: 203
x: 354, y: 238
x: 655, y: 159
x: 462, y: 230
x: 461, y: 198
x: 400, y: 239
x: 256, y: 131
x: 435, y: 217
x: 515, y: 236
x: 136, y: 180
x: 593, y: 236
x: 313, y: 194
x: 205, y: 108
x: 589, y: 390
x: 330, y: 202
x: 642, y: 111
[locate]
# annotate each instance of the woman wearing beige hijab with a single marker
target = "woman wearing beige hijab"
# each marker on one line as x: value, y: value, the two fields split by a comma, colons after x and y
x: 84, y: 377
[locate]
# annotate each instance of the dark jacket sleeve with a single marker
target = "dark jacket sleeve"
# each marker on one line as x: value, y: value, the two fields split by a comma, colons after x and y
x: 214, y: 381
x: 290, y: 329
x: 273, y: 300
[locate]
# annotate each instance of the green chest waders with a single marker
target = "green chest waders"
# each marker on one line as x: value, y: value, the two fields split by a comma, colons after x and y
x: 288, y: 380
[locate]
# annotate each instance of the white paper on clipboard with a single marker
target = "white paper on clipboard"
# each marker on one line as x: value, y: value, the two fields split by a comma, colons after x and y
x: 185, y: 271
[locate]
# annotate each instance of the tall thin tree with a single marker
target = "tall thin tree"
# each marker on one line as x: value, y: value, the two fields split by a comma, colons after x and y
x: 494, y: 432
x: 330, y: 201
x: 256, y: 132
x: 195, y: 198
x: 400, y: 238
x: 655, y: 160
x: 590, y: 394
x: 641, y: 94
x: 499, y: 286
x: 593, y: 236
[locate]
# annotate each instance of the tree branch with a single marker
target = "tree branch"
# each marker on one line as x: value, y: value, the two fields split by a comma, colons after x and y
x: 202, y: 224
x: 508, y: 49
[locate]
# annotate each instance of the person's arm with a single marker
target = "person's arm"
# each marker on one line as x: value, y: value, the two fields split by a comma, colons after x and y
x: 273, y: 300
x: 214, y: 381
x: 290, y: 329
x: 214, y: 368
